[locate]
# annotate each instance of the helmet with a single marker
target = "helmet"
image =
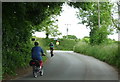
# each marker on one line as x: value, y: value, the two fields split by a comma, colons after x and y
x: 36, y: 43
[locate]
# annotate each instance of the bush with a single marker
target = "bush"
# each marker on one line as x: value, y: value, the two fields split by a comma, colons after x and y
x: 66, y: 44
x: 18, y: 57
x: 14, y: 58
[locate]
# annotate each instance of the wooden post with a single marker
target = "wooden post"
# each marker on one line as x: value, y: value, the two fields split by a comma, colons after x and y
x: 98, y: 15
x: 119, y: 20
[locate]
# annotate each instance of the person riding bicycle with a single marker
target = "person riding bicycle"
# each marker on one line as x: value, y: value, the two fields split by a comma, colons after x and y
x: 51, y: 45
x: 37, y: 53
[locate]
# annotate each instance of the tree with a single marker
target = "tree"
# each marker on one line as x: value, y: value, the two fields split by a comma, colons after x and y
x: 37, y: 12
x: 18, y: 21
x: 86, y: 39
x: 115, y: 21
x: 50, y: 27
x: 88, y: 13
x: 52, y: 30
x: 70, y: 37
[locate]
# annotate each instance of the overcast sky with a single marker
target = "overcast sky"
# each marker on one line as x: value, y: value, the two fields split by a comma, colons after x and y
x: 69, y: 20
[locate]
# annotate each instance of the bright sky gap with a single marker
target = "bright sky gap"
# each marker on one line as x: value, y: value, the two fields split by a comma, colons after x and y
x: 68, y: 19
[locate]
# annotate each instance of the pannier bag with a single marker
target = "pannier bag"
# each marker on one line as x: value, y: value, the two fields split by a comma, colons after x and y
x: 34, y: 63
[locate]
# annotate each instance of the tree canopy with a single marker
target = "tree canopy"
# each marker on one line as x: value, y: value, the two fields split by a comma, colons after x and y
x: 88, y: 13
x: 20, y: 19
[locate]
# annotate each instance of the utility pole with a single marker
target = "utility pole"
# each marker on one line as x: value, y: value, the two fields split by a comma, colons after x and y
x: 98, y: 14
x: 118, y: 3
x: 67, y: 30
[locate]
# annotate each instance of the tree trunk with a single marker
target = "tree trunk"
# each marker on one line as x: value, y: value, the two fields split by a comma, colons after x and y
x: 98, y: 15
x: 119, y: 30
x: 47, y: 35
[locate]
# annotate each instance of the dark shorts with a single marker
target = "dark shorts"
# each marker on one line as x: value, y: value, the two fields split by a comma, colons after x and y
x: 51, y: 48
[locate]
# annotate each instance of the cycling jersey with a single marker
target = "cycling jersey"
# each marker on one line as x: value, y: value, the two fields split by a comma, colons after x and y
x: 36, y: 53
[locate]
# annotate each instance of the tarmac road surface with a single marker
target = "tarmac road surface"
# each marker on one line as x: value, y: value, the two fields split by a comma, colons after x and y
x: 67, y: 65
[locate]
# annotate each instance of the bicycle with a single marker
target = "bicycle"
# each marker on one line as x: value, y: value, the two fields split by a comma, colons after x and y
x: 36, y: 68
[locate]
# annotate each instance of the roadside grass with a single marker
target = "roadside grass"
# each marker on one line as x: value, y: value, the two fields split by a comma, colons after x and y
x: 107, y: 53
x: 66, y: 44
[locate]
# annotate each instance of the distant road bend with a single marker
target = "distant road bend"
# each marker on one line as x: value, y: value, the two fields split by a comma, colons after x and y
x: 67, y: 65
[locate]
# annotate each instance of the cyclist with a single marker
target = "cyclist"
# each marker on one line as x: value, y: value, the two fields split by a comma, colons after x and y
x: 37, y: 53
x: 51, y: 48
x: 57, y: 43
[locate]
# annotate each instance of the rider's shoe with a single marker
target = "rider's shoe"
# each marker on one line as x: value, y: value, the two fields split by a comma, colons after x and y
x: 40, y: 67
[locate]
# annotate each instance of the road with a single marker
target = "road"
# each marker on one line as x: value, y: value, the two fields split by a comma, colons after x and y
x: 67, y: 65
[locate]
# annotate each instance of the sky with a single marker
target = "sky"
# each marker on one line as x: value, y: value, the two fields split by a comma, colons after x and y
x: 68, y: 19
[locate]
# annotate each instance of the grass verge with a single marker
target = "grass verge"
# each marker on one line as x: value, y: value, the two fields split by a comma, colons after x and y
x: 107, y: 53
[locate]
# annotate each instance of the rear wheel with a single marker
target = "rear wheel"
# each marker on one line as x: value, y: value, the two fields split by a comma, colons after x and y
x: 34, y: 71
x: 41, y: 72
x: 35, y: 74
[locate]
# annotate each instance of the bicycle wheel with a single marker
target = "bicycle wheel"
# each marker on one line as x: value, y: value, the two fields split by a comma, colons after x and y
x: 34, y: 74
x: 41, y: 72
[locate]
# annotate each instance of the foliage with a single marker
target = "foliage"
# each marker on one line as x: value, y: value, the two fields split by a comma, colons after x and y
x: 110, y: 41
x: 107, y: 53
x: 37, y: 12
x: 116, y: 10
x: 66, y: 44
x: 13, y: 59
x: 19, y: 21
x: 86, y: 39
x: 49, y: 27
x: 116, y: 23
x: 88, y: 13
x: 16, y: 33
x: 70, y: 37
